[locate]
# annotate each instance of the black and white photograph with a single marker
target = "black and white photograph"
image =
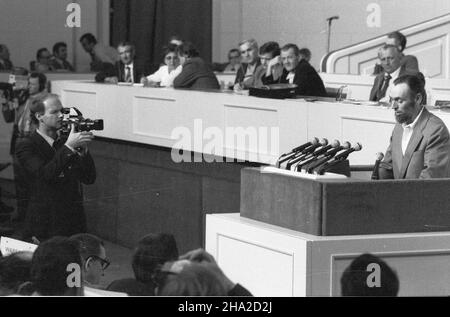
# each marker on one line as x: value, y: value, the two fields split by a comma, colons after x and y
x: 224, y: 153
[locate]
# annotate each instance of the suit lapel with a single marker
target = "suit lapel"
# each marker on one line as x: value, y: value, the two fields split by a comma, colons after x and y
x: 415, y: 140
x: 46, y: 150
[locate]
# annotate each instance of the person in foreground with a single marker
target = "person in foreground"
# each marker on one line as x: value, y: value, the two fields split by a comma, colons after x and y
x: 420, y: 142
x: 368, y: 275
x: 56, y: 167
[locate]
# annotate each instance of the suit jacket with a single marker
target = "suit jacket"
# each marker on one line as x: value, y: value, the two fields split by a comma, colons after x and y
x: 379, y: 80
x: 196, y: 74
x: 55, y: 175
x: 240, y: 75
x: 427, y: 154
x: 306, y: 78
x: 118, y: 70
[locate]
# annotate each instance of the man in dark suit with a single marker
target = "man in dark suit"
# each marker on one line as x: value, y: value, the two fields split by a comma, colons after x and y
x: 127, y: 70
x: 55, y: 168
x: 420, y: 142
x: 249, y: 62
x: 297, y: 71
x: 390, y: 60
x: 5, y: 62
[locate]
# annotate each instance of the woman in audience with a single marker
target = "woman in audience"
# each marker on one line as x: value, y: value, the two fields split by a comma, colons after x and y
x: 166, y: 74
x: 196, y: 74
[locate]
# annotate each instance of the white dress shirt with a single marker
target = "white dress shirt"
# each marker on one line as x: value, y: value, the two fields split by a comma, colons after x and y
x: 408, y: 130
x: 163, y: 76
x: 131, y: 67
x: 290, y: 77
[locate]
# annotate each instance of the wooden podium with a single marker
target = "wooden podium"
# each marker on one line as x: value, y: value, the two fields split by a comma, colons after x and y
x: 329, y: 207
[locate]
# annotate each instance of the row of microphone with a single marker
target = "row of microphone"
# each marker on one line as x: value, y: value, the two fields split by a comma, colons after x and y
x: 317, y: 156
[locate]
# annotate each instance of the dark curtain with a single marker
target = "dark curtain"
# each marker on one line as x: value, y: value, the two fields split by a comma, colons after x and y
x: 150, y: 23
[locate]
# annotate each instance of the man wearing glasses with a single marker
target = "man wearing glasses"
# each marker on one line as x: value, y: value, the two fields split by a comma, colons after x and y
x: 93, y: 254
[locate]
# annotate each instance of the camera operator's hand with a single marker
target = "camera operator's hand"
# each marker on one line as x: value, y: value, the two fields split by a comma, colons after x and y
x: 79, y: 139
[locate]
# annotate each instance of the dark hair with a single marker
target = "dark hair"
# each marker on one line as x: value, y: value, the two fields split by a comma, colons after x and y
x: 50, y: 263
x: 57, y: 46
x: 293, y: 46
x: 233, y: 50
x: 89, y: 37
x: 188, y: 49
x: 40, y: 51
x: 270, y: 48
x: 354, y: 279
x: 15, y: 270
x: 88, y: 243
x: 415, y: 82
x: 170, y: 48
x: 399, y: 37
x: 152, y: 251
x: 306, y: 53
x: 42, y: 80
x: 195, y: 279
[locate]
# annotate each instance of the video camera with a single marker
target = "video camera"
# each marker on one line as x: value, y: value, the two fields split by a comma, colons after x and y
x: 74, y: 116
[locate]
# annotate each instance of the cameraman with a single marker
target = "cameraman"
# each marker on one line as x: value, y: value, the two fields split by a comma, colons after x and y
x: 18, y: 112
x: 56, y: 166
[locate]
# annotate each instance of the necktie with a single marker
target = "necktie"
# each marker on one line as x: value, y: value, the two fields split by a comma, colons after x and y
x: 127, y: 74
x: 382, y: 92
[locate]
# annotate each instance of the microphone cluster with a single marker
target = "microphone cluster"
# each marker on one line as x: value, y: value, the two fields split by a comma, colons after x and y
x: 317, y: 156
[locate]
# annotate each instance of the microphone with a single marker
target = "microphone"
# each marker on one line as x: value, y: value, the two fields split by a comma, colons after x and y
x: 343, y: 156
x: 338, y: 158
x: 305, y: 153
x: 287, y: 156
x: 375, y: 172
x: 334, y: 17
x: 326, y: 157
x: 320, y: 153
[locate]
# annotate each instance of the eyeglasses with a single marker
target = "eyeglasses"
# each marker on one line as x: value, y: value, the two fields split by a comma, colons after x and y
x: 104, y: 262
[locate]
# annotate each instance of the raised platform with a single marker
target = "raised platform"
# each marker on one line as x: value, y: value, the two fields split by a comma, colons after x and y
x: 273, y: 261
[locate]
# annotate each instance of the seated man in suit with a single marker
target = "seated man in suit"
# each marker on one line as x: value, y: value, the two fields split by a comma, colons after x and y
x: 127, y: 70
x: 298, y: 71
x: 43, y: 58
x: 408, y: 61
x: 390, y: 59
x: 249, y: 62
x: 5, y: 62
x: 420, y: 142
x: 59, y: 61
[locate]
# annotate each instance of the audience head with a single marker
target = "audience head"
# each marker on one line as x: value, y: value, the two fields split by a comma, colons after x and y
x: 14, y: 272
x: 305, y: 54
x: 4, y: 52
x: 36, y: 83
x: 397, y: 39
x: 234, y: 57
x: 60, y: 50
x: 249, y: 51
x: 43, y: 56
x: 176, y: 40
x: 290, y: 57
x: 407, y: 97
x: 53, y: 268
x: 46, y: 112
x: 194, y: 279
x: 88, y: 42
x: 390, y: 58
x: 171, y: 58
x: 268, y: 51
x: 361, y: 278
x: 186, y: 51
x: 93, y: 254
x: 127, y: 52
x: 153, y: 251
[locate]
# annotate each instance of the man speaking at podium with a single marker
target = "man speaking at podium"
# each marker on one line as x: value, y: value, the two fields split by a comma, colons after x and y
x: 420, y: 143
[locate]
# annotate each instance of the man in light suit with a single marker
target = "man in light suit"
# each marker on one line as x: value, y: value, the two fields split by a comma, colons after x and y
x: 420, y: 142
x: 390, y: 59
